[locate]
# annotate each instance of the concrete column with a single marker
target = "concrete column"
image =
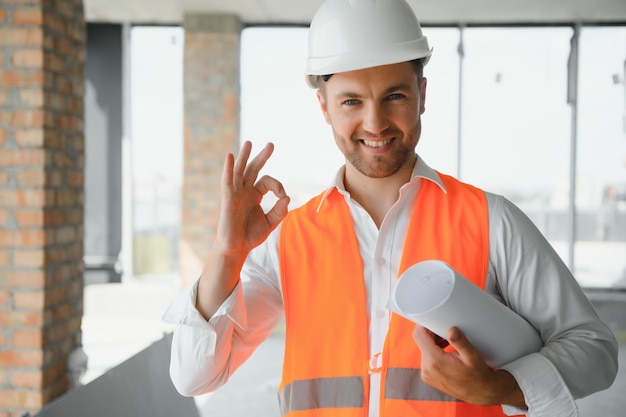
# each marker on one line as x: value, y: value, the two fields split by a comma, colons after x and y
x: 211, y: 97
x: 42, y: 60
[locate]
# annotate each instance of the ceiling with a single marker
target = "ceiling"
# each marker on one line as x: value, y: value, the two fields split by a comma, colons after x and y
x: 300, y: 12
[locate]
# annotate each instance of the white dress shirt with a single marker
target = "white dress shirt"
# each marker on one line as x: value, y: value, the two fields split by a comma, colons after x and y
x: 525, y: 273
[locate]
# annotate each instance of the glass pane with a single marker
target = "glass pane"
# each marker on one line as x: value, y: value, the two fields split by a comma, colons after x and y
x: 157, y: 147
x: 277, y: 106
x: 516, y: 121
x: 438, y: 143
x: 600, y: 251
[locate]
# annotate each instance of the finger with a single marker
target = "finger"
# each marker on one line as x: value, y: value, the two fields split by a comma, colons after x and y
x: 278, y: 212
x: 425, y: 341
x: 240, y: 164
x: 458, y: 339
x: 280, y: 207
x: 252, y: 170
x: 227, y: 172
x: 267, y: 183
x: 466, y: 351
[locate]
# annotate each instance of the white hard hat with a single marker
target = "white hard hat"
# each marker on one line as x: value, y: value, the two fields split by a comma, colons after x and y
x: 347, y: 35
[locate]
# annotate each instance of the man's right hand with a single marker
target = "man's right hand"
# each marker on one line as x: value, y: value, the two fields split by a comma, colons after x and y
x: 242, y: 224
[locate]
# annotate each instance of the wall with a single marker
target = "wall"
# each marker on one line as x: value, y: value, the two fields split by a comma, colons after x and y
x: 211, y: 103
x: 42, y: 60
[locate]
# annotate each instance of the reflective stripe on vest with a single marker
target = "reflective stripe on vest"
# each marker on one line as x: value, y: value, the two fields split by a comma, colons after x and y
x: 341, y: 392
x: 407, y: 384
x: 326, y: 361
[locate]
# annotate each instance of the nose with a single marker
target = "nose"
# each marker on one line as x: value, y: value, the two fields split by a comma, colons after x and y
x: 375, y: 119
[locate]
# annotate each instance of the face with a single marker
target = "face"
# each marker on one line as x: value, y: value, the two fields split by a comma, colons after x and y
x: 375, y: 117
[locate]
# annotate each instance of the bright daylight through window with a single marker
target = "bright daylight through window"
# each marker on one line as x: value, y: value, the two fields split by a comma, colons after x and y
x: 497, y: 115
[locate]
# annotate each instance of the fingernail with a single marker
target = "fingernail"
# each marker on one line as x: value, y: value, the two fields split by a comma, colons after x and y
x: 454, y: 335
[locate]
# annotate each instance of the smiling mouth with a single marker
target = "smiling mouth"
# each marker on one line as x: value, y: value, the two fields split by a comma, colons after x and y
x: 376, y: 144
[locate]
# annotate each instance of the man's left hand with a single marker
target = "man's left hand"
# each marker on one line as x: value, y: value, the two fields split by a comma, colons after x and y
x: 464, y: 374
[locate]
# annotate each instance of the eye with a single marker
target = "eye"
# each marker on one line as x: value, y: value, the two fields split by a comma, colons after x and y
x: 395, y: 96
x: 350, y: 102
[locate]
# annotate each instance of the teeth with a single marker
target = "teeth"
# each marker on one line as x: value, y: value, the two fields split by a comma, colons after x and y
x: 376, y: 144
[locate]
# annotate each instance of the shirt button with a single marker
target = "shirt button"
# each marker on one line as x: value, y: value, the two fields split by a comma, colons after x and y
x: 381, y: 314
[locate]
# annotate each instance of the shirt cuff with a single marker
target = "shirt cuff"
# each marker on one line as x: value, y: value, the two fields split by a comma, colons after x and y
x: 183, y: 309
x: 511, y: 410
x: 544, y: 389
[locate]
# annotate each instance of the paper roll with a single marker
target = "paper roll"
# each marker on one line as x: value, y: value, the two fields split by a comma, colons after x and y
x: 435, y: 296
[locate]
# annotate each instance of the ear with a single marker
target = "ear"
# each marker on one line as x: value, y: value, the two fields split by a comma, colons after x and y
x: 323, y: 105
x: 423, y: 95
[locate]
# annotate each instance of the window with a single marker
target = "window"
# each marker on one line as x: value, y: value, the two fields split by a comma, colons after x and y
x: 516, y: 121
x: 600, y: 251
x: 157, y: 147
x: 277, y: 106
x: 511, y: 133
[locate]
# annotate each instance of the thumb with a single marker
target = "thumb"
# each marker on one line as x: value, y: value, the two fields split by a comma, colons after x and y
x: 457, y: 336
x: 458, y: 340
x: 278, y: 212
x: 467, y: 352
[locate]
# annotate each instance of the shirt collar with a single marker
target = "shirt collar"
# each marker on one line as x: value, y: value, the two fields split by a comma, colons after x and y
x: 421, y: 170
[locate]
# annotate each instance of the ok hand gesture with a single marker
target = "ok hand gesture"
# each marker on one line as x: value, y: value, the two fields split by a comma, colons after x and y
x: 242, y: 225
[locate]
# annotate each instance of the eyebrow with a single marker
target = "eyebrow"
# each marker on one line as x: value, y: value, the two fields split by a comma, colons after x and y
x: 350, y: 94
x: 399, y: 87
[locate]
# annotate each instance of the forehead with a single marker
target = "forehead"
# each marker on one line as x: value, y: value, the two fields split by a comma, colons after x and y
x: 373, y: 79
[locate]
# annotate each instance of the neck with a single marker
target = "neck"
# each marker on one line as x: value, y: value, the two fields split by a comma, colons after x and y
x: 376, y: 195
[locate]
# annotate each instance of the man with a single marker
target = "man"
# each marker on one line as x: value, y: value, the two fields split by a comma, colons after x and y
x: 328, y: 266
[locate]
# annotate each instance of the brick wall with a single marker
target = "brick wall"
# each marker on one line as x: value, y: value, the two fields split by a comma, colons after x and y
x: 211, y: 91
x: 42, y: 60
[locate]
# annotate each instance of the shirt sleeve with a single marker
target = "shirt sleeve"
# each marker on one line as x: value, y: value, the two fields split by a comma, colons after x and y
x: 204, y: 354
x: 579, y: 356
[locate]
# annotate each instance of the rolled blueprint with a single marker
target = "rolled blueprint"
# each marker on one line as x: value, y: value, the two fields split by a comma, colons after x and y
x: 435, y: 296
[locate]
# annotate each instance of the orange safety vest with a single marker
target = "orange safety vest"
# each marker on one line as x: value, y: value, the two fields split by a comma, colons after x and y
x: 326, y: 363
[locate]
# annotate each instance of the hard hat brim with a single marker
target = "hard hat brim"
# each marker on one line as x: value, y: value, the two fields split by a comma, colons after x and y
x: 366, y: 61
